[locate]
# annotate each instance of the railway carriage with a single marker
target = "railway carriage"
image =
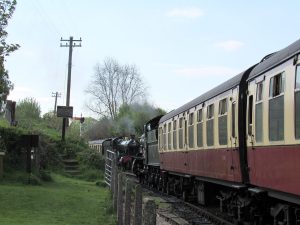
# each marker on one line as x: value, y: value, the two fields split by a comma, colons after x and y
x: 97, y: 145
x: 200, y: 139
x: 273, y: 131
x: 237, y: 144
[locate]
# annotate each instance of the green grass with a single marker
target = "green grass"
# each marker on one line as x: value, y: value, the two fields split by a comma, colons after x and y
x: 64, y: 201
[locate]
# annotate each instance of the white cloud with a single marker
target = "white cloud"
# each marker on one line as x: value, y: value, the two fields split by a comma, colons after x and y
x: 230, y: 45
x: 207, y: 71
x: 186, y: 13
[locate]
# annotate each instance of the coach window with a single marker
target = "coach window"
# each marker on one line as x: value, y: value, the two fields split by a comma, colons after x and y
x: 297, y: 103
x: 165, y: 137
x: 276, y: 108
x: 259, y: 112
x: 161, y: 143
x: 169, y: 136
x: 181, y: 133
x: 174, y: 134
x: 222, y: 120
x: 250, y: 115
x: 199, y: 128
x: 191, y: 130
x: 210, y: 125
x: 233, y: 120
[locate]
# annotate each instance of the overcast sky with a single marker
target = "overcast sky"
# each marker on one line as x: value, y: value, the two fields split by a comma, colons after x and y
x: 182, y: 48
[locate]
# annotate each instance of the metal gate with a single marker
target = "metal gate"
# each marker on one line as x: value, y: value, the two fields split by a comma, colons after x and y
x: 110, y: 165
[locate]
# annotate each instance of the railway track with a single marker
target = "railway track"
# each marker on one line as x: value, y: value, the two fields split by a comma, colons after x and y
x: 184, y: 213
x: 179, y: 212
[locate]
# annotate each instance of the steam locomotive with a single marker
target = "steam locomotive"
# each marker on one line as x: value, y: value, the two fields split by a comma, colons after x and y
x: 126, y: 150
x: 237, y: 145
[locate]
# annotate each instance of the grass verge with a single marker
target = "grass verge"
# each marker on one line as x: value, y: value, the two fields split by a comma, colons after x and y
x: 65, y: 201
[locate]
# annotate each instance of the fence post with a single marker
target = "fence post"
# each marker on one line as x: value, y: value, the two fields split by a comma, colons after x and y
x: 138, y: 204
x: 115, y: 195
x: 120, y: 199
x: 149, y: 214
x: 127, y: 202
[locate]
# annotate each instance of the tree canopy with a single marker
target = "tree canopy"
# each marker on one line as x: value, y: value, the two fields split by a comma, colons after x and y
x: 114, y: 85
x: 129, y: 120
x: 7, y: 8
x: 132, y: 118
x: 27, y: 111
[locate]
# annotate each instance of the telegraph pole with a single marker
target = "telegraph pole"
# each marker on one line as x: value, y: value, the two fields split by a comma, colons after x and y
x: 69, y: 43
x: 55, y: 95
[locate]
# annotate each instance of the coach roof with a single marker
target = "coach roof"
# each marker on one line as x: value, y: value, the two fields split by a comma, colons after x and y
x: 227, y: 85
x: 273, y: 60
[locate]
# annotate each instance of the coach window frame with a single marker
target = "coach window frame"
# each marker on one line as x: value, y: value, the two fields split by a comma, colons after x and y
x: 200, y: 127
x: 191, y: 130
x: 210, y: 125
x: 180, y: 133
x: 297, y: 106
x: 276, y: 93
x: 165, y: 136
x: 161, y: 144
x: 174, y: 135
x: 258, y: 111
x: 169, y: 136
x: 222, y: 125
x: 250, y: 115
x: 233, y: 118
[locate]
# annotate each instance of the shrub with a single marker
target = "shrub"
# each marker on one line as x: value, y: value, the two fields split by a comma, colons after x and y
x: 34, y: 180
x: 45, y: 175
x: 90, y: 174
x: 92, y: 159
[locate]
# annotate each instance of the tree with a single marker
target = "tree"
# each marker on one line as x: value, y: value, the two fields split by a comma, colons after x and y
x: 7, y: 8
x: 100, y: 130
x: 129, y: 120
x: 114, y: 85
x: 52, y: 121
x: 27, y: 111
x: 132, y: 118
x: 74, y: 128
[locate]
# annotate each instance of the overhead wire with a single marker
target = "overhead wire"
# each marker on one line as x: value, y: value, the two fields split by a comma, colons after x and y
x: 44, y: 18
x: 50, y: 24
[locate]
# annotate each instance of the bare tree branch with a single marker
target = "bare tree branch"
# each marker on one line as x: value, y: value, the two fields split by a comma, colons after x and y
x: 114, y: 85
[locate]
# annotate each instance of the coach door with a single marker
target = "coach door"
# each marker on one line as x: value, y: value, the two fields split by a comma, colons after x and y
x: 186, y: 143
x: 234, y: 150
x: 255, y: 125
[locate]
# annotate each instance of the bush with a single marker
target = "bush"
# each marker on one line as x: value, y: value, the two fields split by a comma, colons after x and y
x: 25, y: 178
x: 92, y: 159
x: 90, y: 174
x: 10, y: 143
x: 34, y: 180
x: 45, y: 176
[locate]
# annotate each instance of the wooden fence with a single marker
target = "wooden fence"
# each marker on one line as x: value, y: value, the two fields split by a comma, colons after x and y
x: 137, y: 210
